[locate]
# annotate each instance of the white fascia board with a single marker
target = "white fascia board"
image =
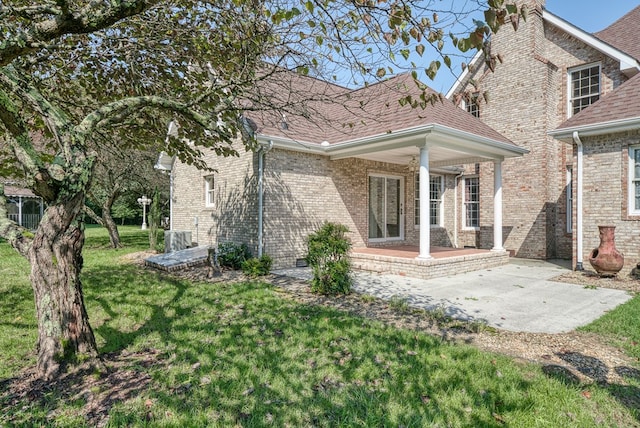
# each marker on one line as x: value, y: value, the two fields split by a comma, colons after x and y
x: 432, y: 135
x: 610, y: 127
x: 628, y: 64
x: 447, y: 137
x: 463, y: 75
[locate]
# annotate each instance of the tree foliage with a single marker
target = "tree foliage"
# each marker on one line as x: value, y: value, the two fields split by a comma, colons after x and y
x: 79, y: 76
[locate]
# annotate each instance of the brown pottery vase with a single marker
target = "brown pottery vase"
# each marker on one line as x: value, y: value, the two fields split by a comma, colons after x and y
x: 605, y: 259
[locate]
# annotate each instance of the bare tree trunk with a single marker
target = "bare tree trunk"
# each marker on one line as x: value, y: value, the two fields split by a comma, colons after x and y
x: 112, y: 227
x: 106, y: 221
x: 56, y: 262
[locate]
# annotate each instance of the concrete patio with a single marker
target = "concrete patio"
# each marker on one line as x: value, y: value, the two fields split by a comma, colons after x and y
x: 518, y: 296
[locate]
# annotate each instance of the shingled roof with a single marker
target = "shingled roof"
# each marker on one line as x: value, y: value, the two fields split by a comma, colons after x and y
x: 623, y: 103
x: 624, y: 34
x: 334, y: 114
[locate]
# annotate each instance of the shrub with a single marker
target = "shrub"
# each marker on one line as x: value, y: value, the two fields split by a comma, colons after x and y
x: 328, y: 248
x: 232, y: 255
x: 255, y: 267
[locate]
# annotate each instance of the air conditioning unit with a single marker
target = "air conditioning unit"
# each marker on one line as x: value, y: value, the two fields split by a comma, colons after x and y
x: 176, y: 240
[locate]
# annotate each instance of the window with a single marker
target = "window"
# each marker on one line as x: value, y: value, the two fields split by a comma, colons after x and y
x: 435, y: 199
x: 472, y: 106
x: 634, y: 180
x: 471, y: 202
x: 569, y: 199
x: 209, y: 191
x: 584, y: 88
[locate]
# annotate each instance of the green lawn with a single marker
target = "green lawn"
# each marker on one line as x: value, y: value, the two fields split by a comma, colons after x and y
x: 621, y: 326
x: 245, y: 355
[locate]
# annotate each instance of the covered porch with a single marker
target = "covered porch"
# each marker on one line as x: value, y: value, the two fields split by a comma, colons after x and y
x: 425, y: 149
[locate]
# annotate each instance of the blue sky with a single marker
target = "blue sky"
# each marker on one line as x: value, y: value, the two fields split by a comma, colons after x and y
x: 590, y: 15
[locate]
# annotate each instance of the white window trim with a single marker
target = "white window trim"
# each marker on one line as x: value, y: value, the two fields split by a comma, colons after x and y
x: 630, y: 182
x: 440, y: 206
x: 570, y: 86
x: 209, y: 191
x: 569, y: 203
x: 402, y: 207
x: 464, y: 203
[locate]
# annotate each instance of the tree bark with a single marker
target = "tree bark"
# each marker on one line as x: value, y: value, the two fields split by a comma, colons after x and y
x: 56, y: 261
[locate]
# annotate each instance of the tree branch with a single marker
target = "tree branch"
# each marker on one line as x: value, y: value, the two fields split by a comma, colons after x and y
x: 92, y: 214
x: 96, y: 15
x: 103, y: 116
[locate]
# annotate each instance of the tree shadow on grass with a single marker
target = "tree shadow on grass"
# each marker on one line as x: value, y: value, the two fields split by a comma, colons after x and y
x: 596, y: 370
x: 239, y: 353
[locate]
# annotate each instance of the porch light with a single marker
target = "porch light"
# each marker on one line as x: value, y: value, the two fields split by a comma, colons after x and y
x: 413, y: 165
x: 144, y: 201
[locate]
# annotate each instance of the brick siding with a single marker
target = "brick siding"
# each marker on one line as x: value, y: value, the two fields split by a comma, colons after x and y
x: 528, y: 98
x: 605, y: 195
x: 302, y: 190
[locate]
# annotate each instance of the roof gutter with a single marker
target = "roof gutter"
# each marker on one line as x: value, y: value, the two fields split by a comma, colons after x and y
x: 610, y: 127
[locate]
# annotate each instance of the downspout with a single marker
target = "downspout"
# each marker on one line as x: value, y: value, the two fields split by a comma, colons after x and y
x: 576, y: 139
x: 263, y: 151
x: 455, y: 209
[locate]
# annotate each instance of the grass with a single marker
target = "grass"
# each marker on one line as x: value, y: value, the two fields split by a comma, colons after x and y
x: 621, y: 326
x: 245, y: 355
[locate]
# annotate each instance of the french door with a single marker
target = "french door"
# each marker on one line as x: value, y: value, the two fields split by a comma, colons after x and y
x: 386, y: 208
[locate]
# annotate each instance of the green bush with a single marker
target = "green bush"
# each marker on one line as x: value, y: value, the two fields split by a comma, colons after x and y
x: 255, y: 267
x: 232, y: 255
x: 328, y: 248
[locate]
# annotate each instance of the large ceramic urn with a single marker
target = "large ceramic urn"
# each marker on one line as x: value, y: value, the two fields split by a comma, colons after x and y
x: 605, y: 259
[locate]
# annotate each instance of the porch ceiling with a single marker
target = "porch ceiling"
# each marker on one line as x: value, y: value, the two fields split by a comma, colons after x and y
x: 438, y: 156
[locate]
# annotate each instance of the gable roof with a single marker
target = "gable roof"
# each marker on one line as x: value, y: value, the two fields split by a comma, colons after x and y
x: 339, y: 116
x: 618, y: 41
x: 371, y: 122
x: 624, y: 34
x: 619, y: 110
x: 628, y: 63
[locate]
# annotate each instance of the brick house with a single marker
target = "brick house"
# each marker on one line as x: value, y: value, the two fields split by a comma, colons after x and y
x: 358, y: 157
x: 514, y: 165
x: 551, y: 72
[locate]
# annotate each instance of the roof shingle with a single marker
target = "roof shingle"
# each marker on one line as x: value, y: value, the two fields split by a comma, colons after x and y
x: 337, y: 114
x: 624, y: 34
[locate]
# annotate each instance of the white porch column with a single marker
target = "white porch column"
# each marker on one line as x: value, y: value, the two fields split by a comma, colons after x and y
x: 425, y: 212
x: 497, y: 206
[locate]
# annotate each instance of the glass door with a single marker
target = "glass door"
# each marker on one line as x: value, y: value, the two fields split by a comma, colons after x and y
x: 386, y: 203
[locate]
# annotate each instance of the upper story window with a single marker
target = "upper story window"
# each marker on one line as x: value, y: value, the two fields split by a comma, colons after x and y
x: 584, y: 87
x: 472, y: 107
x: 209, y: 191
x: 435, y: 200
